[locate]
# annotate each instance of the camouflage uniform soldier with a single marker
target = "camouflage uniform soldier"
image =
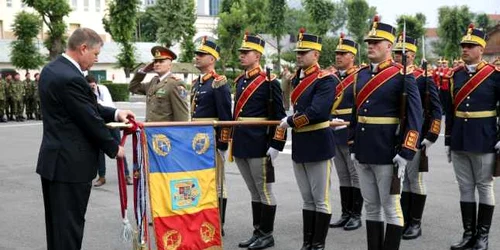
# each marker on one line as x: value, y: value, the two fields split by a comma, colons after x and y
x: 3, y: 98
x: 9, y: 105
x: 36, y: 97
x: 29, y: 100
x: 17, y: 94
x: 167, y: 98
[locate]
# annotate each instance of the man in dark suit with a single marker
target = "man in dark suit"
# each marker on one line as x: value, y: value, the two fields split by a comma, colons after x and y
x: 74, y: 131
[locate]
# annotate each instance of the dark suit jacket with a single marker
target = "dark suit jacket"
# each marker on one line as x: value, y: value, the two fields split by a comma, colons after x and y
x: 74, y: 127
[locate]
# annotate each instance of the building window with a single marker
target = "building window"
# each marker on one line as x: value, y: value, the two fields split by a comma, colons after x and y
x: 85, y: 5
x: 9, y: 3
x: 214, y: 7
x: 74, y: 4
x: 98, y: 5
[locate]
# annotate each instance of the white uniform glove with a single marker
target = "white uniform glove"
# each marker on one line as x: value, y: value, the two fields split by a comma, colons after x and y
x: 284, y: 124
x: 426, y: 143
x: 338, y: 127
x: 223, y: 154
x: 448, y: 153
x: 273, y: 153
x: 401, y: 162
x: 497, y: 147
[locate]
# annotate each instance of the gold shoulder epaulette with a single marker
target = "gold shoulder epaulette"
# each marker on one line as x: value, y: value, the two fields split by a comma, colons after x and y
x: 219, y: 81
x: 324, y: 73
x: 450, y: 73
x: 409, y: 69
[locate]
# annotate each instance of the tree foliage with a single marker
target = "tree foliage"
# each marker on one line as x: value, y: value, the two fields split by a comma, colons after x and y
x: 484, y: 22
x: 230, y: 31
x: 120, y: 22
x: 321, y: 14
x: 276, y: 25
x: 146, y: 26
x: 174, y: 19
x: 327, y: 58
x: 25, y: 53
x: 53, y: 13
x: 294, y: 20
x: 359, y: 18
x: 187, y: 45
x: 453, y: 22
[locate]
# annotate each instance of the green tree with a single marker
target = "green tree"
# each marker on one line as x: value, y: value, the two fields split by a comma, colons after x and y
x: 256, y: 11
x: 25, y: 53
x: 53, y: 13
x: 359, y: 19
x: 414, y: 28
x: 327, y: 58
x: 146, y: 26
x: 120, y: 22
x: 276, y: 13
x: 321, y: 14
x: 230, y: 31
x: 484, y: 22
x: 339, y: 16
x: 187, y: 45
x: 453, y: 22
x: 294, y: 20
x: 174, y: 20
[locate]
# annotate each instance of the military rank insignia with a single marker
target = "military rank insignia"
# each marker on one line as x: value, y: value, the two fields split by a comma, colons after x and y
x: 411, y: 140
x: 435, y: 126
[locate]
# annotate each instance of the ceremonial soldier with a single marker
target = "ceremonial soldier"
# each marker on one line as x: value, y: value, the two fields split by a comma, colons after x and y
x: 258, y: 98
x: 167, y: 97
x: 350, y: 195
x: 471, y: 137
x: 313, y: 145
x: 3, y: 98
x: 414, y: 191
x: 380, y: 145
x: 211, y: 101
x: 17, y: 93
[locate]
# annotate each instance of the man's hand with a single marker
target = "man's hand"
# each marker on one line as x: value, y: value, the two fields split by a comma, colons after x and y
x: 223, y: 154
x: 497, y: 147
x: 121, y: 152
x: 448, y: 153
x: 273, y: 153
x: 284, y: 124
x: 426, y: 143
x: 123, y: 115
x: 148, y: 68
x: 339, y: 121
x: 401, y: 162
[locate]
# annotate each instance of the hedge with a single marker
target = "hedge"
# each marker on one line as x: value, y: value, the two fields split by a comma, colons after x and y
x: 119, y: 91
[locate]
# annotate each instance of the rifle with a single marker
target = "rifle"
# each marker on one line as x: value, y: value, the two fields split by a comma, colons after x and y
x: 396, y: 181
x: 270, y: 113
x: 424, y: 160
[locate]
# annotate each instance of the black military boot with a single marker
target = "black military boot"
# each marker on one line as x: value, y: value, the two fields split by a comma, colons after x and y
x: 357, y: 206
x: 256, y: 212
x: 468, y: 210
x: 414, y: 229
x: 308, y: 219
x: 265, y: 238
x: 392, y: 237
x: 484, y: 216
x: 345, y: 200
x: 223, y: 214
x: 320, y: 230
x: 374, y: 234
x: 405, y: 207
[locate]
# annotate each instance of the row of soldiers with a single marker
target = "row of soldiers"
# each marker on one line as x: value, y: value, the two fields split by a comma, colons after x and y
x: 16, y: 96
x: 394, y: 114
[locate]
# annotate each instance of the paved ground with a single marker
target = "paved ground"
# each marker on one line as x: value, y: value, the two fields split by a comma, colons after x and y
x: 21, y: 205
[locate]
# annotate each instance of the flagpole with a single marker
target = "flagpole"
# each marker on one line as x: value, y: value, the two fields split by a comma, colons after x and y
x: 207, y: 123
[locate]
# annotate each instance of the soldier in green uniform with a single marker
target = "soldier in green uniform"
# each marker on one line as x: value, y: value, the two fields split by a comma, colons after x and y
x: 17, y: 94
x: 9, y: 106
x: 29, y: 100
x: 167, y: 97
x: 3, y: 98
x: 36, y: 97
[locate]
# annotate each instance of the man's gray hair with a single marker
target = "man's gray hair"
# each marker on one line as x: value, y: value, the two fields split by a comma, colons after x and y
x: 84, y: 36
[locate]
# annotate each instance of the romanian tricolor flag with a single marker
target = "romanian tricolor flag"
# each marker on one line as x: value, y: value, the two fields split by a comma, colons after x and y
x: 182, y: 187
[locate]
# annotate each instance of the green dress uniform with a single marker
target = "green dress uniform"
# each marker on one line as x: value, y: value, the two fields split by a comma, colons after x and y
x: 166, y: 96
